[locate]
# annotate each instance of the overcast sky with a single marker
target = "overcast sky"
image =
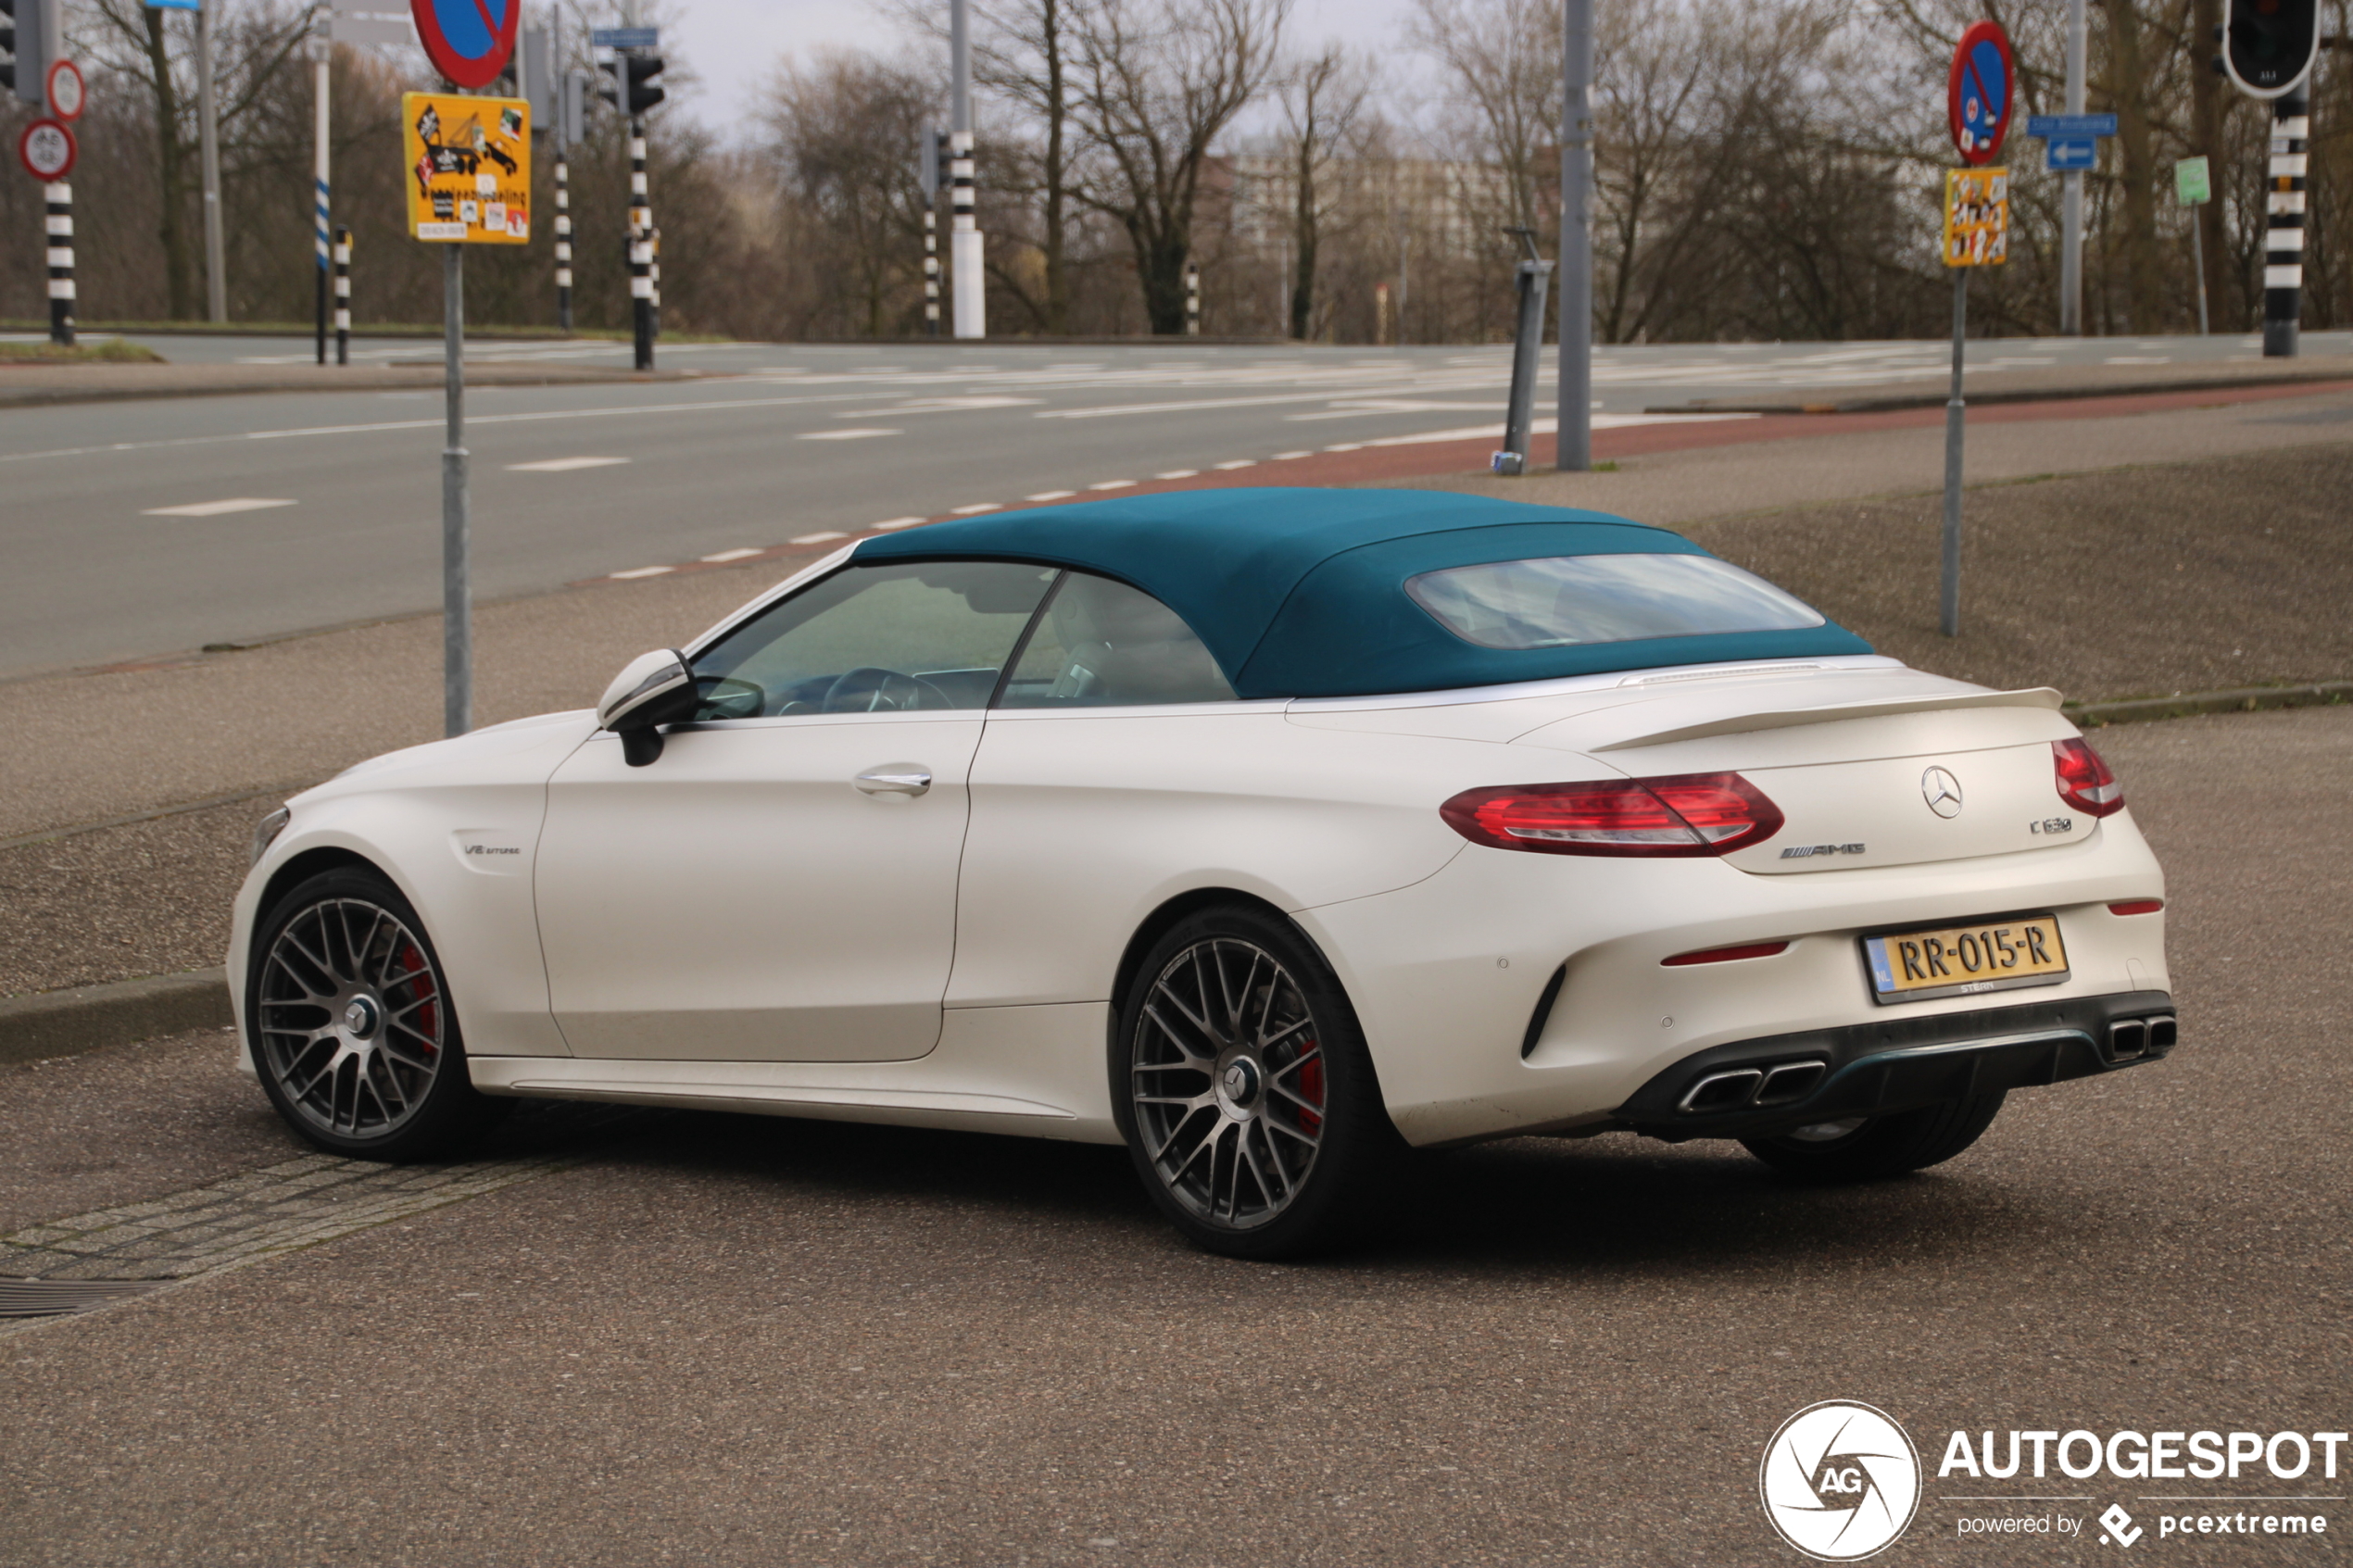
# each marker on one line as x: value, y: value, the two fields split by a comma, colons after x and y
x: 732, y: 45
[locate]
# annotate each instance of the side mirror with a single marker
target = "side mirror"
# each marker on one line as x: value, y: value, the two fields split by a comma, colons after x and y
x: 653, y: 689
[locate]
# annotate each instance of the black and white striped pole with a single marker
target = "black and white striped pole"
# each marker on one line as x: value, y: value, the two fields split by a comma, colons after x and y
x: 929, y: 148
x: 342, y: 295
x: 2283, y: 238
x: 1193, y: 300
x: 641, y: 246
x: 963, y: 239
x: 563, y: 242
x: 59, y: 223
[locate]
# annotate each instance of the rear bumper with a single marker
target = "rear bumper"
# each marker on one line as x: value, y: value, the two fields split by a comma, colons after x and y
x: 1764, y: 1087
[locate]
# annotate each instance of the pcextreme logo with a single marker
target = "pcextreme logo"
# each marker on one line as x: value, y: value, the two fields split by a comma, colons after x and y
x: 1841, y: 1481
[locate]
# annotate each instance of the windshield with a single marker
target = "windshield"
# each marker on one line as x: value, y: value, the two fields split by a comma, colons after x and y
x: 1561, y: 601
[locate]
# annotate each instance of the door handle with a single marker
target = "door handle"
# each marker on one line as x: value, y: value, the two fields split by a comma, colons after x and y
x: 894, y: 778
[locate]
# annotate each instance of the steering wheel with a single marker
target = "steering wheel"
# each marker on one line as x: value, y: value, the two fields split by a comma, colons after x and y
x: 870, y: 689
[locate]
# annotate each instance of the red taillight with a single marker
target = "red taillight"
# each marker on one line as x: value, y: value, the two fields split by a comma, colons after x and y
x: 2137, y: 907
x: 1689, y: 814
x: 2084, y: 782
x: 1726, y: 955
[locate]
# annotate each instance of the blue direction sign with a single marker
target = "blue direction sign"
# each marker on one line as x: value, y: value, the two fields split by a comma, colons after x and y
x: 2062, y: 154
x: 625, y: 37
x: 2075, y: 127
x: 468, y: 40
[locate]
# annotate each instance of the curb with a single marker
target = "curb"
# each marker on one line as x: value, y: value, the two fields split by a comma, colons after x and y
x: 2246, y: 699
x: 2063, y: 392
x: 64, y: 1023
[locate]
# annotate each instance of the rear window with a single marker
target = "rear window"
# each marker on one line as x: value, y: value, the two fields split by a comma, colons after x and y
x: 1561, y: 601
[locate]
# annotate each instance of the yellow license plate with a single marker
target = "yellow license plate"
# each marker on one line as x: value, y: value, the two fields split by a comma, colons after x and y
x: 1960, y: 960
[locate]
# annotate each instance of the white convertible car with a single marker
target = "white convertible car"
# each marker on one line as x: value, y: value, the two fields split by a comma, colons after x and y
x: 1265, y: 832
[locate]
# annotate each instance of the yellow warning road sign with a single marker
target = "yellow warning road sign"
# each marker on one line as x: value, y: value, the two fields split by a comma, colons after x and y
x: 469, y: 168
x: 1977, y: 216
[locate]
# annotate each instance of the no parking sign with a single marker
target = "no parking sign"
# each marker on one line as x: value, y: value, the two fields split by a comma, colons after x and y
x: 468, y: 40
x: 1980, y: 91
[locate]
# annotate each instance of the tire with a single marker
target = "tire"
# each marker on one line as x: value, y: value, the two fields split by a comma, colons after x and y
x: 348, y: 1017
x: 1881, y: 1146
x: 1241, y: 1082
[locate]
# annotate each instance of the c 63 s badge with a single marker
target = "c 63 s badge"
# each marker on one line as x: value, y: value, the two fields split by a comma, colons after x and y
x: 1841, y: 1481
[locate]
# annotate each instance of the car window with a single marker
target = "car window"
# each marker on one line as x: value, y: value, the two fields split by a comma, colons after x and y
x: 1560, y: 601
x: 887, y: 637
x: 1102, y: 643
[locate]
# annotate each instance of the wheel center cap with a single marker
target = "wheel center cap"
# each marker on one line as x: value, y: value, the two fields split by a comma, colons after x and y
x: 1240, y: 1082
x: 360, y: 1018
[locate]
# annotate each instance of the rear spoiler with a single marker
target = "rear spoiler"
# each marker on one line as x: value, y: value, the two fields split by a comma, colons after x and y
x: 1789, y: 718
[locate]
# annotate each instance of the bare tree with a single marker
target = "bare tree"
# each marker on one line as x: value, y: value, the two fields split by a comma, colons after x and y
x: 1160, y: 81
x: 1323, y: 101
x: 1024, y: 52
x: 1502, y: 60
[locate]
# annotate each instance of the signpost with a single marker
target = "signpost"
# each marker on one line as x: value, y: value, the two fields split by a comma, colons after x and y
x: 2193, y: 187
x: 48, y: 150
x: 469, y: 182
x: 1976, y: 233
x: 2071, y: 140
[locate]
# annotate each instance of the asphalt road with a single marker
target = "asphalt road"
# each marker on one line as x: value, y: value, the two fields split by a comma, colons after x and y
x: 138, y: 528
x: 730, y: 1340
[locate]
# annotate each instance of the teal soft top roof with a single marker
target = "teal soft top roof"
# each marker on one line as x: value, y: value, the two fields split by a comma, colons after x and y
x: 1301, y: 593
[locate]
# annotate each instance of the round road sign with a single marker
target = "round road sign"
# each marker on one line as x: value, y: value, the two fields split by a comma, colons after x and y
x: 46, y: 149
x: 468, y: 40
x: 68, y: 93
x: 1981, y: 92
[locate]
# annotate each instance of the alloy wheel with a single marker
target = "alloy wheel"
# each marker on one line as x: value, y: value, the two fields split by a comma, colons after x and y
x: 352, y: 1017
x: 1228, y: 1081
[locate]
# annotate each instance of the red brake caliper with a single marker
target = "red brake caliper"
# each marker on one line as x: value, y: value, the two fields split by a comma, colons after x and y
x: 1311, y: 1089
x: 413, y: 962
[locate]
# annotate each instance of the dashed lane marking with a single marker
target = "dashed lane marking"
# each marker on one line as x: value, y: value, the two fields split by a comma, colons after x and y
x: 726, y: 555
x: 1286, y: 457
x: 973, y: 510
x: 1236, y: 463
x: 812, y: 538
x: 1051, y: 496
x: 1114, y: 485
x: 859, y: 435
x: 897, y: 522
x: 642, y: 571
x: 1179, y: 473
x: 564, y: 464
x: 216, y: 509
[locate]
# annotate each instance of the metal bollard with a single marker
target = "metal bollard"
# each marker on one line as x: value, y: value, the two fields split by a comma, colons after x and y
x: 1535, y: 286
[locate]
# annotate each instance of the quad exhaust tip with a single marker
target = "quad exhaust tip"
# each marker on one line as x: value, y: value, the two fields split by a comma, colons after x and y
x: 1739, y: 1087
x: 2129, y: 1039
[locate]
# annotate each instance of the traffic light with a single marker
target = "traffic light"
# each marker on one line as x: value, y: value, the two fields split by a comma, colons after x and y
x: 30, y: 34
x: 642, y: 69
x: 627, y: 90
x: 2268, y: 45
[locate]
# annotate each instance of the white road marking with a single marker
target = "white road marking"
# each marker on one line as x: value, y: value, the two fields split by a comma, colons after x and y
x: 564, y: 464
x: 973, y: 510
x: 733, y: 555
x: 643, y: 572
x: 940, y: 406
x: 1051, y: 496
x: 1236, y: 463
x: 216, y: 509
x: 899, y: 522
x: 1177, y: 473
x: 1347, y: 446
x: 1114, y: 485
x: 1286, y: 457
x: 861, y: 435
x: 818, y: 538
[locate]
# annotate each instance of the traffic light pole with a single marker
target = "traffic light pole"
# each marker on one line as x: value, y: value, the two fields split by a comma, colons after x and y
x: 967, y: 276
x: 208, y: 143
x: 2283, y: 243
x: 641, y: 245
x: 563, y: 241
